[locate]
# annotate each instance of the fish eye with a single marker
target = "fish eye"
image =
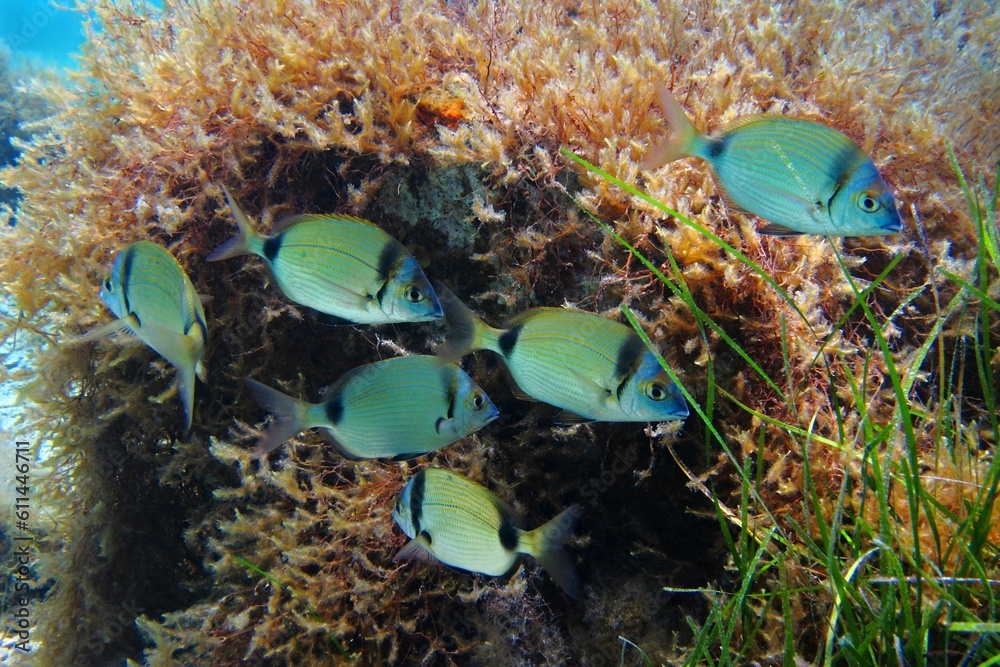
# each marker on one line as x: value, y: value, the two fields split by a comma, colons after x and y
x: 656, y: 391
x: 413, y: 294
x: 478, y: 401
x: 869, y: 203
x: 108, y: 287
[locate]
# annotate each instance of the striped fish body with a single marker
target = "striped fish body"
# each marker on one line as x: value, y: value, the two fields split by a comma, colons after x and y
x: 464, y: 525
x: 803, y: 177
x: 342, y: 266
x: 592, y: 367
x: 399, y: 408
x: 154, y: 299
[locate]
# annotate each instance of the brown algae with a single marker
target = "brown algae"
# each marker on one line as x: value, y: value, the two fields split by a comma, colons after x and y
x: 443, y: 122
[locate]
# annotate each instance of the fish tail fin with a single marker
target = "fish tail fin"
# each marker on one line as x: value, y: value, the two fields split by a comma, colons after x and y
x: 290, y: 416
x: 546, y: 542
x: 680, y: 142
x: 246, y: 239
x: 467, y: 330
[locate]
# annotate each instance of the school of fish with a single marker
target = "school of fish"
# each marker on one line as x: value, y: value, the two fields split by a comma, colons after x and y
x: 800, y: 176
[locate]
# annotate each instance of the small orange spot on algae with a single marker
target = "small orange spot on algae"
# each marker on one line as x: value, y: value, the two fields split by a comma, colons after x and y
x: 448, y: 112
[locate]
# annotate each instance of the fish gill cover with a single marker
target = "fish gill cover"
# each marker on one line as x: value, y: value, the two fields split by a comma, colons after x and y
x: 846, y: 424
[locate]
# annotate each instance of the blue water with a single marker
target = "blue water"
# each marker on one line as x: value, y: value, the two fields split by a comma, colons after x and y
x: 38, y: 34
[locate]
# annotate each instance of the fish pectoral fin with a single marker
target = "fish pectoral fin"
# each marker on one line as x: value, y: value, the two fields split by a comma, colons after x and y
x: 567, y: 417
x: 778, y: 230
x: 415, y: 549
x: 444, y: 424
x: 343, y: 293
x: 123, y: 325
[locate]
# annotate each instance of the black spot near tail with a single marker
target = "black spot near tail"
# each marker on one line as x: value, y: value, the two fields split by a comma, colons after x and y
x: 716, y: 147
x: 508, y: 339
x: 334, y: 410
x: 272, y: 246
x: 508, y: 533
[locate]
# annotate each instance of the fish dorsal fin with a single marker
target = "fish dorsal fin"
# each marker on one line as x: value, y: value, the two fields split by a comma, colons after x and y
x: 506, y: 511
x: 333, y: 389
x: 416, y: 549
x: 523, y: 318
x: 750, y: 119
x: 290, y: 221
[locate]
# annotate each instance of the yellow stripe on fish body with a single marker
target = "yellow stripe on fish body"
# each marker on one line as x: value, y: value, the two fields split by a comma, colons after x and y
x: 464, y: 525
x: 153, y: 297
x: 339, y: 265
x: 801, y: 175
x: 398, y: 408
x: 590, y: 366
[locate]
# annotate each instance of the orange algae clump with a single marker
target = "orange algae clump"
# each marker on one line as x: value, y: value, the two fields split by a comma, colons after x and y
x: 443, y: 122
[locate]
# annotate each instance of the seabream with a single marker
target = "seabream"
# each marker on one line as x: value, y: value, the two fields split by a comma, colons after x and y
x: 592, y: 367
x: 801, y: 176
x: 399, y: 408
x: 154, y: 299
x: 464, y: 525
x: 339, y: 265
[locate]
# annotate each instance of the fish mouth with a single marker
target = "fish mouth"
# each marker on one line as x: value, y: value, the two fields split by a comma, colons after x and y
x: 679, y: 406
x: 894, y: 226
x: 435, y: 312
x: 680, y: 411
